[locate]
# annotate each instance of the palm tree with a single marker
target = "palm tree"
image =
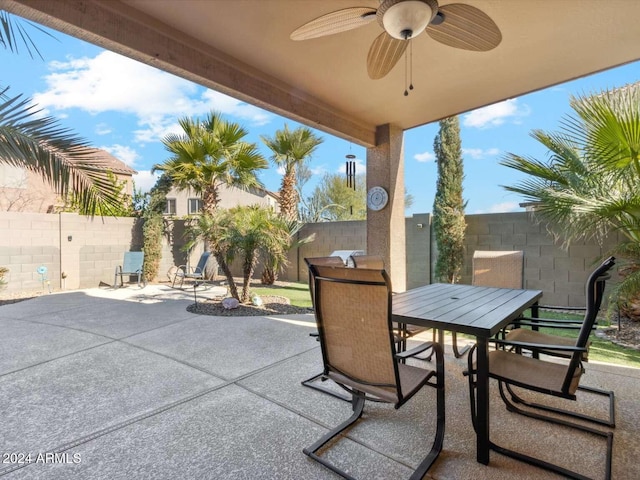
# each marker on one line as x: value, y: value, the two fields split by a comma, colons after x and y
x: 214, y: 229
x: 42, y: 145
x: 275, y: 255
x: 255, y: 230
x: 244, y: 233
x: 211, y: 153
x: 589, y: 185
x: 290, y: 149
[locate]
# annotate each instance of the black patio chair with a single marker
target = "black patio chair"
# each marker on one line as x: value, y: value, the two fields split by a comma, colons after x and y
x: 353, y: 311
x: 511, y: 369
x: 403, y: 331
x: 312, y: 382
x: 494, y: 268
x: 548, y: 344
x: 197, y: 274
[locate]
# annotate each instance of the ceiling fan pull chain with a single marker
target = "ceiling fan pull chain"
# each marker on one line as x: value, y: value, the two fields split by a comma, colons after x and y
x: 411, y: 64
x: 406, y: 92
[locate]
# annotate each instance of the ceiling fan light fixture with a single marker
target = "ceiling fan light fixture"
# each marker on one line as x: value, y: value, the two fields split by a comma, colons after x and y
x: 404, y: 19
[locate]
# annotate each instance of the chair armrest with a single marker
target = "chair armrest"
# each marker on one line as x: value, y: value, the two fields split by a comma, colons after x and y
x: 543, y: 323
x: 549, y: 320
x: 538, y: 346
x: 415, y: 351
x: 558, y: 307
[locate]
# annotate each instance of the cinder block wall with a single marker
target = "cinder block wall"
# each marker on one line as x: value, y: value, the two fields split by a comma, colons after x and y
x: 419, y: 252
x: 350, y: 235
x: 86, y: 249
x: 559, y: 272
x: 28, y: 241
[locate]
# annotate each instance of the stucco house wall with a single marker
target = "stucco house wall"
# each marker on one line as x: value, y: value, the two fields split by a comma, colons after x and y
x: 229, y: 197
x: 22, y: 190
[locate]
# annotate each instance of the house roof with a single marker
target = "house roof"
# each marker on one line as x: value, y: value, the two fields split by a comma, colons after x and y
x: 244, y: 48
x: 109, y: 162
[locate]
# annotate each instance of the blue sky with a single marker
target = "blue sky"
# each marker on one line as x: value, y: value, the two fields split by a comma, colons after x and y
x: 126, y: 108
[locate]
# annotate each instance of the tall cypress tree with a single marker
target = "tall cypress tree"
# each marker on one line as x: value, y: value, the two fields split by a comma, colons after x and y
x: 448, y: 206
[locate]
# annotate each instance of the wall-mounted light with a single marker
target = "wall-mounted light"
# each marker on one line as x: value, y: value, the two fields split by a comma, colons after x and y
x: 420, y: 225
x: 69, y: 238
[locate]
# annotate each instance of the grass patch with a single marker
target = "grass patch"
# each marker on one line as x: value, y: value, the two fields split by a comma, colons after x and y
x: 601, y: 350
x: 297, y: 293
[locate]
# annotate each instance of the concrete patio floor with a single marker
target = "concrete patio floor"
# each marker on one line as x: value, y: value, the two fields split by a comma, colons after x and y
x: 129, y: 385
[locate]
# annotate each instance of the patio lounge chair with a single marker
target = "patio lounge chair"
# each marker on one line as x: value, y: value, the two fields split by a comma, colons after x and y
x: 492, y: 268
x: 548, y: 344
x: 132, y: 265
x: 511, y: 369
x: 367, y: 261
x: 403, y: 331
x: 197, y: 273
x: 364, y: 361
x: 312, y: 382
x: 518, y: 333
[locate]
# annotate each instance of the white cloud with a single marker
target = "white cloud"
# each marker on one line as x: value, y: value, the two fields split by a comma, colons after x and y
x: 113, y: 83
x: 103, y: 129
x: 424, y: 157
x: 123, y: 153
x: 502, y: 208
x: 319, y: 170
x: 144, y: 180
x: 479, y: 153
x: 496, y: 114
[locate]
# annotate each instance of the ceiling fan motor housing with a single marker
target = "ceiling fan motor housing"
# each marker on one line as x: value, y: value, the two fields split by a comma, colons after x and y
x: 405, y: 19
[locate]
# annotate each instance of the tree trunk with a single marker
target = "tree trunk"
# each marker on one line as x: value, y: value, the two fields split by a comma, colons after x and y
x: 248, y: 268
x: 233, y: 289
x: 289, y: 195
x: 268, y: 276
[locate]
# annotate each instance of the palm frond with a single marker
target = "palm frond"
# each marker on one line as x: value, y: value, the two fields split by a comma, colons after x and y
x: 13, y: 33
x: 42, y: 145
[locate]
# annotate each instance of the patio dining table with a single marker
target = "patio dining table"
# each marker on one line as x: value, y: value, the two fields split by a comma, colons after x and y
x: 478, y: 311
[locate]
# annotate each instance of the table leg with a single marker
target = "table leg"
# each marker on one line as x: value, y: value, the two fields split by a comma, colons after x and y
x: 482, y: 392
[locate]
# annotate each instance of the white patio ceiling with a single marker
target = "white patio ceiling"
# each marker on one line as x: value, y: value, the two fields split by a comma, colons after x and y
x: 242, y: 47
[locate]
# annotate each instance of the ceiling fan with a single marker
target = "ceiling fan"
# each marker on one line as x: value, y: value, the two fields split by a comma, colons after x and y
x: 457, y: 25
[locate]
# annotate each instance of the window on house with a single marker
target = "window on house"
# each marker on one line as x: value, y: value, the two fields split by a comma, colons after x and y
x: 170, y: 207
x: 195, y: 205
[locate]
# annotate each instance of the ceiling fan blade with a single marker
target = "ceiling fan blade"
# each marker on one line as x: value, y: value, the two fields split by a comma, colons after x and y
x: 465, y: 27
x: 384, y: 53
x: 335, y: 22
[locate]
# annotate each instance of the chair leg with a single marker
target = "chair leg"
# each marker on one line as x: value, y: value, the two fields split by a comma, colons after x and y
x: 609, y: 422
x: 358, y: 407
x: 456, y: 352
x: 556, y: 468
x: 311, y: 382
x: 438, y: 441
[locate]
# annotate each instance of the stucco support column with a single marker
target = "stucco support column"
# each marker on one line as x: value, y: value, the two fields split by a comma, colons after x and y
x: 386, y: 227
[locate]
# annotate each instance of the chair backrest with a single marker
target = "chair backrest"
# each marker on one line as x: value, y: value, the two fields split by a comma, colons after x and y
x: 502, y: 269
x: 353, y: 311
x: 325, y: 261
x: 202, y: 263
x: 591, y: 313
x: 132, y: 261
x: 368, y: 261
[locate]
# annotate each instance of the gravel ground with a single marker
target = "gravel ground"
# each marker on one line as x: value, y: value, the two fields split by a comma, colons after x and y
x: 628, y: 335
x: 270, y: 305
